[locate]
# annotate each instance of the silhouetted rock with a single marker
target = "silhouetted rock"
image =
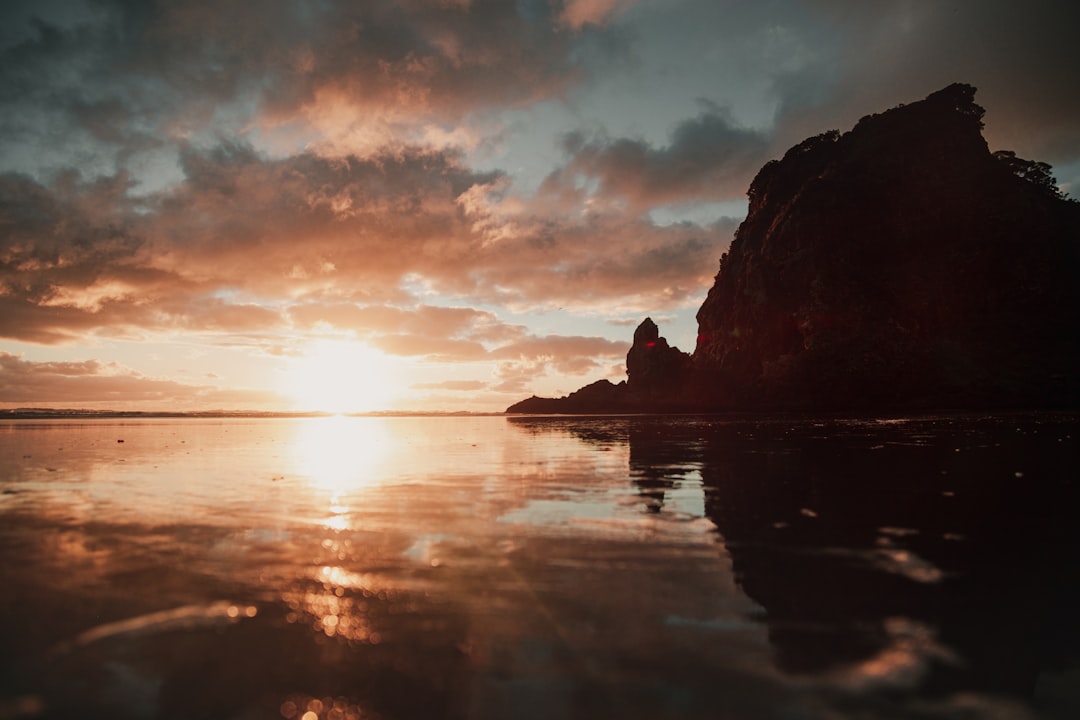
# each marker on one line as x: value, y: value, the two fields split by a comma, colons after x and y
x: 656, y: 371
x: 600, y: 396
x: 900, y: 264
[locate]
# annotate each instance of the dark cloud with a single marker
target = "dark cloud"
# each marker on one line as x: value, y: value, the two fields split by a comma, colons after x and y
x: 68, y: 260
x: 107, y: 80
x: 708, y: 158
x: 1021, y: 56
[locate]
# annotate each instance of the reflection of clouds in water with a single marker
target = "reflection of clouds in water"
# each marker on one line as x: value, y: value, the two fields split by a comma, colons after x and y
x: 680, y: 500
x: 424, y: 549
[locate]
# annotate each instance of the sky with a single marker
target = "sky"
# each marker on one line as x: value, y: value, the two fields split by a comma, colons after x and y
x: 444, y: 205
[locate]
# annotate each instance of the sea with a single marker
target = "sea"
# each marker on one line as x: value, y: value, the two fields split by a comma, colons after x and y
x: 675, y: 566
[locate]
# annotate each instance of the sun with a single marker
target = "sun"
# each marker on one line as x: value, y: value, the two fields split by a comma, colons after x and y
x: 340, y: 376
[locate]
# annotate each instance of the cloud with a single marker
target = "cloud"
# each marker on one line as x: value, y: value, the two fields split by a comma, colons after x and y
x: 453, y: 385
x: 250, y: 243
x: 250, y: 173
x: 121, y: 84
x: 516, y: 378
x: 79, y: 256
x: 437, y: 349
x: 593, y: 262
x: 313, y: 222
x: 214, y: 315
x: 93, y: 383
x: 709, y: 158
x: 1021, y: 57
x: 458, y: 335
x: 423, y: 320
x: 523, y: 363
x: 571, y: 355
x: 243, y: 240
x: 578, y: 13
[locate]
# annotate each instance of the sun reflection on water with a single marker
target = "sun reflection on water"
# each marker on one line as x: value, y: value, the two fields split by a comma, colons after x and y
x: 339, y: 457
x: 336, y: 604
x: 341, y: 454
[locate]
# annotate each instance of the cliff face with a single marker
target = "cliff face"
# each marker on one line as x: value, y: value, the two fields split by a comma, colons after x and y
x: 900, y: 264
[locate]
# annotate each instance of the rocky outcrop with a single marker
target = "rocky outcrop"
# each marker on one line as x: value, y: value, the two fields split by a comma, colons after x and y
x: 655, y: 371
x: 600, y: 396
x: 656, y: 375
x: 898, y: 265
x: 902, y: 264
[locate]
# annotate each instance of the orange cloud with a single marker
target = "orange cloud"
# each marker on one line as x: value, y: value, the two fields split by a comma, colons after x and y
x: 578, y: 13
x: 453, y: 385
x: 249, y: 243
x: 91, y: 383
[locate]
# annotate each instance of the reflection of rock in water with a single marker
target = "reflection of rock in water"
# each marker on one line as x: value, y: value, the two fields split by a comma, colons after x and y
x: 863, y: 543
x: 656, y: 466
x: 936, y: 552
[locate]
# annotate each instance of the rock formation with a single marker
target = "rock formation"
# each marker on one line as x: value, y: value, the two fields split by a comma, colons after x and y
x: 898, y: 265
x: 600, y: 396
x: 655, y: 371
x: 656, y: 374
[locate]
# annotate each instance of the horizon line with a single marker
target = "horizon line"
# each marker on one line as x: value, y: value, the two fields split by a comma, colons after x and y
x: 50, y: 413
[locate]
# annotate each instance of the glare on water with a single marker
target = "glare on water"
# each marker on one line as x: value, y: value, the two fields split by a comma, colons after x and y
x: 516, y: 567
x: 341, y: 454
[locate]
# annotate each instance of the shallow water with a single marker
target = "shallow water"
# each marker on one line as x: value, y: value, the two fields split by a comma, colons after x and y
x: 530, y: 567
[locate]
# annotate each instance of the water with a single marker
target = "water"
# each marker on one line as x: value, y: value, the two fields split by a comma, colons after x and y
x: 490, y: 567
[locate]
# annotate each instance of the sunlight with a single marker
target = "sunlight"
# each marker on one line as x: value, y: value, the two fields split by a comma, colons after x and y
x: 340, y: 376
x: 341, y: 455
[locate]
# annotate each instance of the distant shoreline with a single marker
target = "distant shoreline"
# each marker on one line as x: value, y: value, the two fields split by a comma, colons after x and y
x: 79, y: 414
x: 884, y: 413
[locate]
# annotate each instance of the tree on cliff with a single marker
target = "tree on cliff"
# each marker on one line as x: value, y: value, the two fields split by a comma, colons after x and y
x: 1034, y: 172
